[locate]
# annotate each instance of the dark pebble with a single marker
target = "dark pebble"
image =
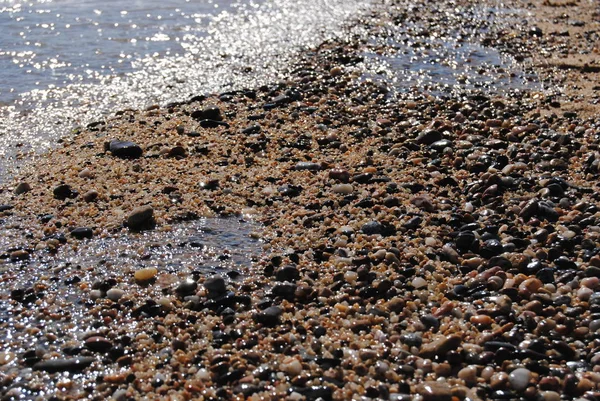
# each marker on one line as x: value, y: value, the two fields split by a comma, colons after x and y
x: 372, y: 228
x: 82, y: 232
x: 64, y: 365
x: 208, y: 113
x: 207, y: 123
x: 314, y: 392
x: 141, y: 218
x: 98, y: 344
x: 287, y: 273
x: 125, y: 149
x: 269, y: 316
x: 64, y: 191
x: 187, y: 286
x: 215, y: 285
x: 428, y: 137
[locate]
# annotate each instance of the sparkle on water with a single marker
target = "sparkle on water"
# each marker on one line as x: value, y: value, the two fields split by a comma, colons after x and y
x: 93, y: 58
x: 449, y: 61
x: 62, y: 284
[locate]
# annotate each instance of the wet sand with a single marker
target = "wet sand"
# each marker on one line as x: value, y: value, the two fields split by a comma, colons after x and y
x: 429, y: 247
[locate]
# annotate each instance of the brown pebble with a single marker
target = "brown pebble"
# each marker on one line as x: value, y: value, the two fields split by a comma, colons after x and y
x: 435, y: 391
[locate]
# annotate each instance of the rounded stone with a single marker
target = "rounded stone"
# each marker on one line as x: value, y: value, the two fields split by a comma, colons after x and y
x: 145, y: 274
x: 114, y: 294
x: 141, y: 218
x: 519, y: 379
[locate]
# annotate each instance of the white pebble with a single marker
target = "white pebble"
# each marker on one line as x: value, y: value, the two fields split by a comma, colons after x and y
x: 430, y: 241
x: 114, y: 294
x: 344, y: 189
x: 291, y: 366
x: 350, y: 276
x: 469, y: 207
x: 519, y: 379
x: 95, y: 294
x: 419, y: 282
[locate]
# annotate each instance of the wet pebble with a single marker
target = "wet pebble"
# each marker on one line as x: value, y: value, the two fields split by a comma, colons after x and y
x: 215, y: 285
x: 73, y: 365
x: 125, y: 149
x: 82, y: 232
x: 145, y: 274
x: 98, y: 344
x: 141, y: 218
x: 435, y: 391
x: 269, y: 316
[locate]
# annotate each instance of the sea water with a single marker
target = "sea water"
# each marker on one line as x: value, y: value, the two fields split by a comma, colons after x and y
x: 65, y: 63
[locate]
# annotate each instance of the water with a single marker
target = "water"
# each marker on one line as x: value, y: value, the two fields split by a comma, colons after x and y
x: 65, y: 63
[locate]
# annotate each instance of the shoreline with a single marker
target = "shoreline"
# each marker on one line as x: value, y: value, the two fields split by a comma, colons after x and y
x: 429, y: 247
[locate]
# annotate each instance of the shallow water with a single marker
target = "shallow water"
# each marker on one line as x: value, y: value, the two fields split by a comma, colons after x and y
x: 448, y: 58
x: 69, y: 63
x: 61, y: 288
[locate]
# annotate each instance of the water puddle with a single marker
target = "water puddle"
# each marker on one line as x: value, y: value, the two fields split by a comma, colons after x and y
x: 417, y: 56
x: 50, y: 304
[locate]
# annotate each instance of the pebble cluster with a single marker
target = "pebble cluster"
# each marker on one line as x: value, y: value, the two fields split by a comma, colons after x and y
x: 416, y: 247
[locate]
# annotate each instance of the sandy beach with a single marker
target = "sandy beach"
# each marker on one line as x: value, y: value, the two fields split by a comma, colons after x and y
x: 426, y: 247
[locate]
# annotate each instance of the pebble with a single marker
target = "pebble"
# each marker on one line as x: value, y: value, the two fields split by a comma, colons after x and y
x: 125, y: 149
x: 469, y: 375
x: 269, y: 316
x: 19, y: 254
x: 435, y: 391
x: 145, y: 274
x: 187, y: 286
x: 64, y: 191
x: 73, y: 365
x: 372, y: 228
x: 291, y: 366
x: 440, y: 346
x: 90, y: 195
x: 22, y: 188
x: 6, y: 357
x: 98, y: 344
x: 428, y: 137
x: 519, y: 379
x: 141, y: 218
x: 419, y: 282
x: 82, y: 232
x: 344, y: 189
x: 215, y: 285
x: 114, y: 294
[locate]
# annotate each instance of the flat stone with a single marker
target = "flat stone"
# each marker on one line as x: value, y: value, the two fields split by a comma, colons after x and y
x: 64, y: 365
x: 435, y: 391
x: 82, y: 232
x: 64, y: 191
x: 98, y: 344
x: 125, y: 149
x: 440, y: 347
x: 429, y: 137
